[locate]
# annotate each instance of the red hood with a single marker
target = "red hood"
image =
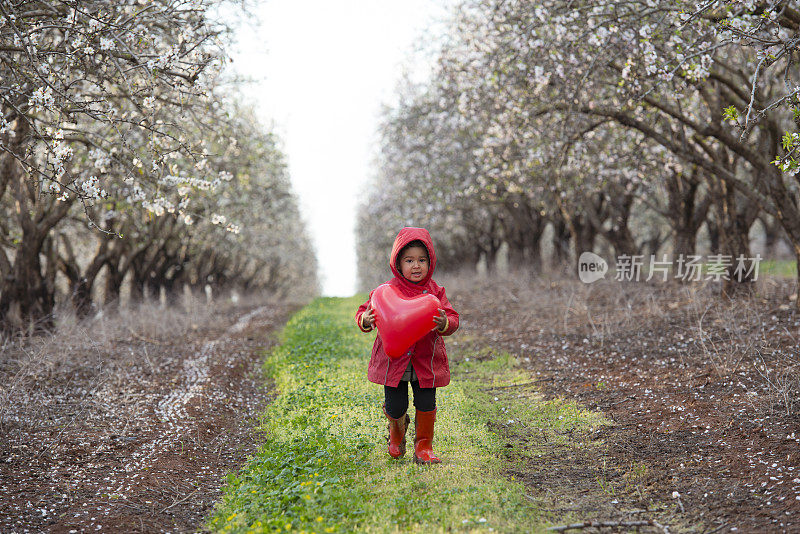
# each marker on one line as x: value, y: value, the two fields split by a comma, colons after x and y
x: 407, y: 235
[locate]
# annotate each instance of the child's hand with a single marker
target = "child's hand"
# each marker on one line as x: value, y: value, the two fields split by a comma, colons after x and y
x: 440, y: 320
x: 368, y: 317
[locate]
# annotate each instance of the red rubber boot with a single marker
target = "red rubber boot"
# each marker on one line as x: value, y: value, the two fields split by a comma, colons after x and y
x: 423, y: 440
x: 397, y: 434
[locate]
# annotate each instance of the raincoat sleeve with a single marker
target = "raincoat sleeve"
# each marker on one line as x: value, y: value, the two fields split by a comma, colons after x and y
x: 360, y: 311
x: 452, y: 315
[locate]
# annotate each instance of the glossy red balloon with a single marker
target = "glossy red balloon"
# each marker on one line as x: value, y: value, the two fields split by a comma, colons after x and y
x: 401, y: 320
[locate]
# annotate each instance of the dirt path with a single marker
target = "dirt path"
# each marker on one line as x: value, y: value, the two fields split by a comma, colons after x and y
x: 703, y: 393
x: 139, y: 439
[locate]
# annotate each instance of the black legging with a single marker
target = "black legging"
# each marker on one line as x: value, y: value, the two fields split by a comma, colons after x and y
x: 397, y: 398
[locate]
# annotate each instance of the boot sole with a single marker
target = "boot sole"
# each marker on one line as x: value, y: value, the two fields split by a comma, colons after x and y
x: 420, y: 461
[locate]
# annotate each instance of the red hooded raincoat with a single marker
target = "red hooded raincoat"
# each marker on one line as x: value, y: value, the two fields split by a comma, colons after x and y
x: 428, y: 355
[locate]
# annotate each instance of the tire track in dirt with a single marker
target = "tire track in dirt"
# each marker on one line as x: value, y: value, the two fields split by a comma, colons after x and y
x: 196, y: 369
x: 139, y: 444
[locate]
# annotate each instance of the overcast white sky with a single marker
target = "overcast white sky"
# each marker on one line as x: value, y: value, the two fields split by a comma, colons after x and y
x: 323, y: 68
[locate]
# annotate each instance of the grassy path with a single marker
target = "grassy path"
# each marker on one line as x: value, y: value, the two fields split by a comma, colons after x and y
x: 324, y: 467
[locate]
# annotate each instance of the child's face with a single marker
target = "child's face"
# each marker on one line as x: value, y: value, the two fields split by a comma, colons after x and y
x: 414, y: 264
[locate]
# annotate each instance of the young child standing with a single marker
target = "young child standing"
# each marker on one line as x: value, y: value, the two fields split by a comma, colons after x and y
x: 425, y: 364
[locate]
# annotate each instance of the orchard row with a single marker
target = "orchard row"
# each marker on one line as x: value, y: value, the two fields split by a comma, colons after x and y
x: 126, y: 155
x: 635, y: 126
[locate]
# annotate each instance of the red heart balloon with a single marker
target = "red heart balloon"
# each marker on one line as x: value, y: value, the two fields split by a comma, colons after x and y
x: 401, y: 320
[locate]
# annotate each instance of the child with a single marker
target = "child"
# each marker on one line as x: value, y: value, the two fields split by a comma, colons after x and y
x: 425, y: 364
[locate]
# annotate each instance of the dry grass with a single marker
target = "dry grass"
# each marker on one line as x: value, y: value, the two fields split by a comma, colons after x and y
x: 702, y: 389
x: 130, y: 416
x: 112, y: 346
x: 756, y: 332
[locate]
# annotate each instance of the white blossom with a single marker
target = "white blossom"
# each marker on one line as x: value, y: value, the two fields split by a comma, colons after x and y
x: 42, y: 98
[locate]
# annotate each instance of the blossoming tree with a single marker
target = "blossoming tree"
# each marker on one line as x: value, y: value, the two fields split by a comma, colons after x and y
x: 104, y: 120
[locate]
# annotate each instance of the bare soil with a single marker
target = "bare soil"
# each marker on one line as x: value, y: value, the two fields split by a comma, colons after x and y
x: 704, y: 393
x: 131, y: 425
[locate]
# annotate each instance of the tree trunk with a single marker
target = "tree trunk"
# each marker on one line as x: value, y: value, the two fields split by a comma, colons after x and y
x: 714, y: 233
x: 774, y: 234
x: 27, y: 294
x: 522, y: 228
x: 80, y: 293
x: 561, y: 242
x: 490, y: 257
x: 81, y: 284
x: 137, y: 289
x: 81, y: 297
x: 735, y: 215
x: 584, y: 238
x: 684, y: 212
x: 172, y: 289
x: 617, y: 208
x: 114, y: 278
x: 684, y: 242
x: 581, y: 228
x: 490, y: 244
x: 26, y: 301
x: 797, y: 277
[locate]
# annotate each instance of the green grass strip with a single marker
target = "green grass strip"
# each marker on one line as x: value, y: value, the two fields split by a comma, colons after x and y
x: 785, y: 268
x: 324, y: 466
